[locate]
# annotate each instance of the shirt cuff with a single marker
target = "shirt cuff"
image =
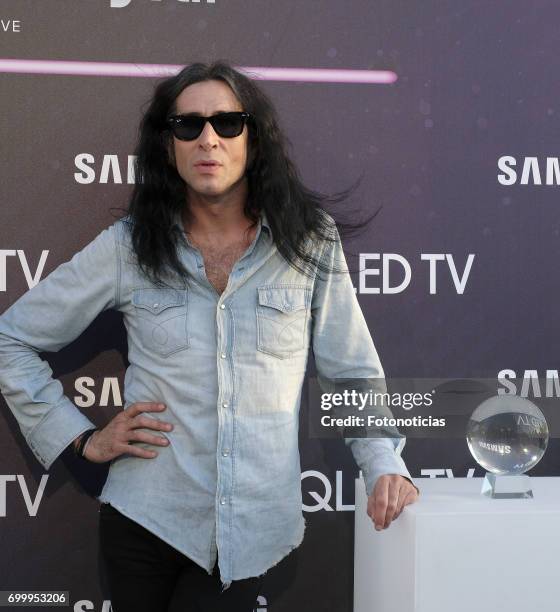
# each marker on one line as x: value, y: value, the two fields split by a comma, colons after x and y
x: 390, y: 463
x: 59, y: 427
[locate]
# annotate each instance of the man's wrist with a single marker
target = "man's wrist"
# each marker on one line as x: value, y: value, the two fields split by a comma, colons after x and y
x: 85, y: 446
x: 82, y: 441
x: 76, y: 441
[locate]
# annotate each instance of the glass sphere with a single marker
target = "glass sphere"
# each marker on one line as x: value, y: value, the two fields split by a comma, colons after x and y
x: 507, y: 434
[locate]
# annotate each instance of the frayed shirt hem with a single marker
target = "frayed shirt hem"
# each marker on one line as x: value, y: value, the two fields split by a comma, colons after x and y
x: 226, y: 585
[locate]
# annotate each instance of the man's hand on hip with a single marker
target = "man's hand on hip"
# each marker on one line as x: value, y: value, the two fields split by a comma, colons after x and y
x: 119, y: 435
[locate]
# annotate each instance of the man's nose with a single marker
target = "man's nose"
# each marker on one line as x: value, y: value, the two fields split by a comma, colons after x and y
x: 208, y: 137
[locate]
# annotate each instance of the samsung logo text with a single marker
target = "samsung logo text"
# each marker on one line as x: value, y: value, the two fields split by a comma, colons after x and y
x: 532, y: 172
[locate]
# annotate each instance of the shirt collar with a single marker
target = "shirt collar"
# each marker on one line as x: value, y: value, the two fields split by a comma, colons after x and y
x: 265, y: 223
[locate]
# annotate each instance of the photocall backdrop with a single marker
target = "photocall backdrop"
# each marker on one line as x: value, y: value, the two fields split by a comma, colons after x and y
x: 454, y: 127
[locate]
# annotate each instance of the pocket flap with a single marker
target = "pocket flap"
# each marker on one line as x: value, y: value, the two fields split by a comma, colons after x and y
x: 155, y: 300
x: 285, y: 299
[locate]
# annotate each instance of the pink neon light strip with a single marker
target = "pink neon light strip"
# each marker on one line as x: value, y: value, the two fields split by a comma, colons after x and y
x: 319, y: 75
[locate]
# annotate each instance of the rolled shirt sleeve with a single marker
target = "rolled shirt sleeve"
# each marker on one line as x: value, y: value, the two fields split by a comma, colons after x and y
x: 343, y: 349
x: 47, y: 317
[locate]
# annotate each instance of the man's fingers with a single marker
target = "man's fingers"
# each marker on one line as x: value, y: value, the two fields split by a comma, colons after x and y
x: 384, y: 501
x: 139, y: 407
x: 138, y: 451
x: 403, y: 494
x: 136, y: 412
x: 380, y: 493
x: 136, y: 435
x: 409, y: 498
x: 392, y: 503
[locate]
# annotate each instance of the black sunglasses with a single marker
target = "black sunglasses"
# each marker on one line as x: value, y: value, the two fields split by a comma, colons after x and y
x: 189, y: 127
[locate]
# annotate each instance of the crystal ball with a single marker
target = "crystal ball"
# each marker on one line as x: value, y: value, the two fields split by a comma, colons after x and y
x: 507, y: 434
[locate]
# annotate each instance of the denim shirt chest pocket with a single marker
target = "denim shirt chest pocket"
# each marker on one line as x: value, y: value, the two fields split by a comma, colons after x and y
x: 282, y: 316
x: 162, y: 318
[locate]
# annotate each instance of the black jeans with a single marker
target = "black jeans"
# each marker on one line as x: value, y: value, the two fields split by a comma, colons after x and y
x: 145, y: 574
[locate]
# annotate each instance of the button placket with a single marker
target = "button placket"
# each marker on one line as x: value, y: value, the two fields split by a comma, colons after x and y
x: 225, y: 390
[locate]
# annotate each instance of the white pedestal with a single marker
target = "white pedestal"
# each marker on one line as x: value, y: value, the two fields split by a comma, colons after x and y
x: 456, y: 550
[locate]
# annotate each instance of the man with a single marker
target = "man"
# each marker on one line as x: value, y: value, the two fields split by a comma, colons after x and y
x: 225, y: 270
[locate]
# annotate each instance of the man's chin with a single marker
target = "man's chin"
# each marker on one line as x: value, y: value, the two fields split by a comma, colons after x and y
x: 209, y: 191
x: 214, y: 188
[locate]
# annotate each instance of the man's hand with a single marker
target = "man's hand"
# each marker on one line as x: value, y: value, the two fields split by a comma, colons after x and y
x: 390, y: 495
x: 118, y: 436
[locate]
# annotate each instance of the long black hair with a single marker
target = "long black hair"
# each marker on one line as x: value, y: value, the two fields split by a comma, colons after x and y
x: 298, y: 216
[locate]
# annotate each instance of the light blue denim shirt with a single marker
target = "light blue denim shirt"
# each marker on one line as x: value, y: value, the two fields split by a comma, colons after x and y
x: 230, y: 369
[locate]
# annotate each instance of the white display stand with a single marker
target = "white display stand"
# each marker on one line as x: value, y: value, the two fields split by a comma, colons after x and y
x: 455, y: 550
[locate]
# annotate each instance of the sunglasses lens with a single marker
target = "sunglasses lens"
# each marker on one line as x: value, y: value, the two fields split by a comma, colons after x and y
x: 188, y: 128
x: 228, y: 125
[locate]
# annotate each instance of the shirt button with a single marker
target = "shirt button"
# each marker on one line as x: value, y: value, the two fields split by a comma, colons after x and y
x: 223, y: 501
x: 225, y: 404
x: 223, y: 355
x: 222, y: 306
x: 226, y: 452
x: 156, y: 305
